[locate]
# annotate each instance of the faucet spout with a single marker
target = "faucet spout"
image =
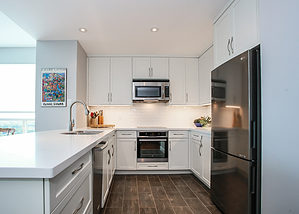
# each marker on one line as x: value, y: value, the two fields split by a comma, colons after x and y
x: 72, y: 122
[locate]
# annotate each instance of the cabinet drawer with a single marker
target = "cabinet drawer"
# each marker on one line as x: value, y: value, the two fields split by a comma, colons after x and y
x: 59, y: 186
x: 78, y: 200
x: 152, y: 166
x: 126, y: 134
x: 178, y: 134
x: 195, y: 136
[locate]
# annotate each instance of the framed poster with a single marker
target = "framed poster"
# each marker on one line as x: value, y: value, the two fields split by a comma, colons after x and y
x: 53, y: 86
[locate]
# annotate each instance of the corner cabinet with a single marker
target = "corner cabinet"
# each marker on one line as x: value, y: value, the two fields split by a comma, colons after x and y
x: 200, y: 156
x: 236, y: 30
x: 109, y: 80
x: 150, y: 68
x: 184, y: 81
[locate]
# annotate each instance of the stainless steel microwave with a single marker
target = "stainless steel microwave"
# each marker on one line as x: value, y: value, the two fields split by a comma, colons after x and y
x: 150, y: 90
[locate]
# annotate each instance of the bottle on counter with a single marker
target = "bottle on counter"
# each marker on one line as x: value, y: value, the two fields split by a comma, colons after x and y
x: 101, y: 117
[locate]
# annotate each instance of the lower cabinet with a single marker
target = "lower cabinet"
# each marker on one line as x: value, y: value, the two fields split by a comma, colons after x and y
x: 178, y: 154
x: 200, y: 156
x: 126, y: 153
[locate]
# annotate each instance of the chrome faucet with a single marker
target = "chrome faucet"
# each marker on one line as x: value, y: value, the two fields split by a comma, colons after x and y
x: 72, y: 121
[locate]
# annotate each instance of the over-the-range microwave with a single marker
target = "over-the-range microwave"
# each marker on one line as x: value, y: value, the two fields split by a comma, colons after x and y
x: 150, y: 90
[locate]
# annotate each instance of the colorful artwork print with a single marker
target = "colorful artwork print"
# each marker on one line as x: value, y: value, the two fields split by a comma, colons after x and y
x: 53, y: 87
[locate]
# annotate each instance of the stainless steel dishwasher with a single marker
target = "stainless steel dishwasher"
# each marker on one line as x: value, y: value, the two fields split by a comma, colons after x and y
x: 97, y: 153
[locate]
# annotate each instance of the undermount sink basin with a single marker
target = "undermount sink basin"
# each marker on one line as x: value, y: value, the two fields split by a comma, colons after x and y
x: 82, y: 132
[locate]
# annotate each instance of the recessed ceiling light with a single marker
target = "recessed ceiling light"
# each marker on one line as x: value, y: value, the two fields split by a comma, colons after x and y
x: 154, y: 29
x: 83, y: 30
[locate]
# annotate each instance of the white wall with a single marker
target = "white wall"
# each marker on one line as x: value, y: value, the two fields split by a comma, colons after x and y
x: 280, y: 101
x: 58, y: 54
x: 17, y: 55
x: 162, y: 115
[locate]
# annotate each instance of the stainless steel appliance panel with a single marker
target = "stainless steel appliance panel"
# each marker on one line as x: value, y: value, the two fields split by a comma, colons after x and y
x: 231, y: 114
x: 230, y: 183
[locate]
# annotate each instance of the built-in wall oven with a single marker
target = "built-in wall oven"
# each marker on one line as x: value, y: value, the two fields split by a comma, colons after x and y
x: 152, y: 146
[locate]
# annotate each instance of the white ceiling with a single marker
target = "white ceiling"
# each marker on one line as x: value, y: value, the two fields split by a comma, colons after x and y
x: 11, y: 35
x: 121, y: 27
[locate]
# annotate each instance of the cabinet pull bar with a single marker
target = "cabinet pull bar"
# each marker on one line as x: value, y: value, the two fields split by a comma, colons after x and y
x: 231, y: 45
x: 79, y: 208
x: 228, y: 44
x: 77, y: 170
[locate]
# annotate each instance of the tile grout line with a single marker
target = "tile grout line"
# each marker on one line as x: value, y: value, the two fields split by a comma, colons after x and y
x: 166, y: 194
x: 197, y: 196
x: 181, y: 194
x: 138, y: 195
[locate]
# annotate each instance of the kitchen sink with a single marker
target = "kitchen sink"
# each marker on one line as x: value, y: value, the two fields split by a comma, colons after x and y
x: 82, y: 132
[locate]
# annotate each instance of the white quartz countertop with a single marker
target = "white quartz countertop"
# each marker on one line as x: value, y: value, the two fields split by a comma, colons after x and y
x: 43, y: 154
x: 46, y: 154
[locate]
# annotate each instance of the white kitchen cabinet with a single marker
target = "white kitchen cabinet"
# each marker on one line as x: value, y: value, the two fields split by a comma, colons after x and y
x: 99, y: 81
x: 177, y: 79
x: 223, y: 32
x: 192, y: 81
x: 178, y: 154
x: 110, y: 80
x: 159, y: 66
x: 150, y: 68
x: 200, y: 158
x: 184, y: 81
x: 245, y: 25
x: 236, y: 30
x: 105, y: 186
x: 121, y: 81
x: 126, y: 154
x: 205, y: 65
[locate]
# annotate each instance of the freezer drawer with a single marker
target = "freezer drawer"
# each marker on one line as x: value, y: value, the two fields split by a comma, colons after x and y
x: 230, y: 183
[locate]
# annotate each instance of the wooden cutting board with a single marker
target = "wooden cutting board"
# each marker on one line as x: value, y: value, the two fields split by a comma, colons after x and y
x: 102, y: 126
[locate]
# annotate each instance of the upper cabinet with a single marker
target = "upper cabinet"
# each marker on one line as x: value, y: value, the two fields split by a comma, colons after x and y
x: 110, y: 80
x: 184, y: 81
x: 236, y: 30
x: 150, y: 68
x: 205, y: 65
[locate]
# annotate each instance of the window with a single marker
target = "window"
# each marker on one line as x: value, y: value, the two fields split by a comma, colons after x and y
x: 17, y: 97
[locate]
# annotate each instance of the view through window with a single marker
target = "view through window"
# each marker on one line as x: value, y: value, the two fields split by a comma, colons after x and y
x: 17, y: 102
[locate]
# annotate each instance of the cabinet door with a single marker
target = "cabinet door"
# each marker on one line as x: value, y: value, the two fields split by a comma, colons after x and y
x: 98, y: 80
x: 126, y: 154
x: 105, y: 177
x: 141, y: 67
x: 113, y: 147
x: 245, y: 25
x: 177, y: 70
x: 110, y: 165
x: 121, y: 80
x: 178, y: 154
x: 192, y: 82
x: 206, y: 159
x: 205, y: 69
x: 196, y: 160
x: 223, y: 32
x: 159, y: 68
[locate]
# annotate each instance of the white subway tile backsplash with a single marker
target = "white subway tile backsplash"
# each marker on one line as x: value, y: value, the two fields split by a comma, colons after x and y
x: 153, y: 114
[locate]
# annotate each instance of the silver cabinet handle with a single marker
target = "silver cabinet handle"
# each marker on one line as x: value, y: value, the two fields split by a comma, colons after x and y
x: 228, y: 43
x: 169, y: 145
x: 110, y: 96
x: 81, y: 205
x: 170, y: 97
x: 199, y: 151
x: 178, y: 134
x: 152, y: 72
x: 149, y: 71
x: 126, y: 134
x: 109, y: 157
x: 200, y: 138
x: 77, y: 170
x: 135, y: 147
x: 112, y: 150
x: 231, y: 45
x: 195, y: 135
x: 152, y: 166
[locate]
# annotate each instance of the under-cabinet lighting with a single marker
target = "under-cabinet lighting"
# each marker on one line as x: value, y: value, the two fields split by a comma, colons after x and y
x: 237, y: 107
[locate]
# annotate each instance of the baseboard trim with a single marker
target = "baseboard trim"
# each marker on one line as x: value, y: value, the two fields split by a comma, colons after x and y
x: 149, y: 172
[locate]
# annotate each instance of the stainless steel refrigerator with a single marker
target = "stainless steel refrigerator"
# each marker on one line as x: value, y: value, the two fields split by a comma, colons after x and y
x: 236, y: 134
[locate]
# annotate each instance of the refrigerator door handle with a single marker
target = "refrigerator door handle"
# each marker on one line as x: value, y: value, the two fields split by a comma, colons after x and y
x: 253, y: 180
x: 253, y: 134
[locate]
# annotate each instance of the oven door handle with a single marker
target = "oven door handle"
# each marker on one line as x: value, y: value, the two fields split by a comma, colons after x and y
x: 151, y: 140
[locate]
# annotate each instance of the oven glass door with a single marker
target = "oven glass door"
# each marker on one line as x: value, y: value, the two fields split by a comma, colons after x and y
x: 152, y: 150
x: 148, y: 91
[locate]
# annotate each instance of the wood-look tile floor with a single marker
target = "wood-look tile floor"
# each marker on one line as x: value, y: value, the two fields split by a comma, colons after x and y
x: 159, y: 194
